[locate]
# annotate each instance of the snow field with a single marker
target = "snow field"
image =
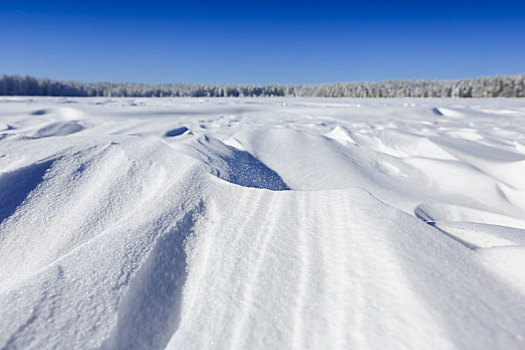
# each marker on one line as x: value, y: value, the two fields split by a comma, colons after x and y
x: 262, y: 223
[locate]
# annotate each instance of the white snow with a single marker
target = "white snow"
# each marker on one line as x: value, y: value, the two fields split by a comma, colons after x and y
x: 265, y: 223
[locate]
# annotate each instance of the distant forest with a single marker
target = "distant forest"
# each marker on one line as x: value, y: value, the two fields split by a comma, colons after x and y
x: 501, y: 86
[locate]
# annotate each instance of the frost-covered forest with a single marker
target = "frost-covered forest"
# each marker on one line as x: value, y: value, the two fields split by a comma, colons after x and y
x: 501, y: 86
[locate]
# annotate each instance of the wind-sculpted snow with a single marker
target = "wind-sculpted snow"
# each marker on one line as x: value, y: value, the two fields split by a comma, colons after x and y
x: 234, y: 165
x: 262, y: 224
x: 16, y: 185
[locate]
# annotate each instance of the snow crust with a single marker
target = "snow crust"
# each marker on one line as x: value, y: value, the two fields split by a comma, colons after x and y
x: 262, y: 223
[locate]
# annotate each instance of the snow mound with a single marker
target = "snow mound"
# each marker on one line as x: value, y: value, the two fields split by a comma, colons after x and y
x: 59, y: 112
x: 450, y: 112
x: 58, y: 129
x: 341, y: 135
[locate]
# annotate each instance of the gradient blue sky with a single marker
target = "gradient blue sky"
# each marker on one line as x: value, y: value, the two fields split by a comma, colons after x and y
x: 261, y: 41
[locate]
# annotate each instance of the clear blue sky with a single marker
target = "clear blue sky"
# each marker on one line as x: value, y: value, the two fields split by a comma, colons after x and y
x: 261, y: 41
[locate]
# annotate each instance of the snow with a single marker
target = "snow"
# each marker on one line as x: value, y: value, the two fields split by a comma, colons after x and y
x: 262, y: 223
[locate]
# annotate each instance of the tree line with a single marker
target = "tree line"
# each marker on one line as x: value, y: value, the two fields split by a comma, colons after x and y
x: 500, y: 86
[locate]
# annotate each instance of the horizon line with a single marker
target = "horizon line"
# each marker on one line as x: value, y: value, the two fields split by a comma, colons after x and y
x: 269, y: 84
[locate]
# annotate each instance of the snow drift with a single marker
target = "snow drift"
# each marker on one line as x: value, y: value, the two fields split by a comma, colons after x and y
x: 276, y: 223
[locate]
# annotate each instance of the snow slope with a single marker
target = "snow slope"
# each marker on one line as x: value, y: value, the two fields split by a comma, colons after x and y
x: 262, y: 223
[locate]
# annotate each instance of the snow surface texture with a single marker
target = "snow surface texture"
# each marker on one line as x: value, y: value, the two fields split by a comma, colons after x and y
x: 262, y: 224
